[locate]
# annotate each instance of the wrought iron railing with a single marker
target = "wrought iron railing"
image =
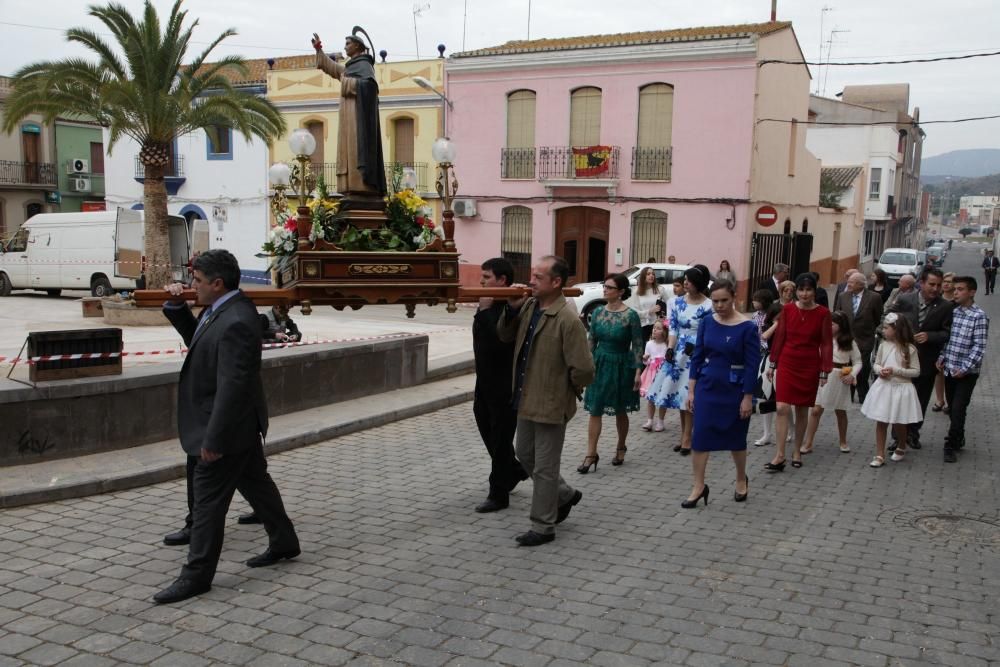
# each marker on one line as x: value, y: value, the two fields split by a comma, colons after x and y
x: 651, y: 164
x: 328, y: 170
x: 419, y: 169
x: 517, y: 163
x: 174, y: 170
x: 578, y: 162
x: 27, y: 173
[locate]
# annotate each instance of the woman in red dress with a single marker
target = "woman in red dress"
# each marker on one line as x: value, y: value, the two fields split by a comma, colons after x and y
x: 802, y: 352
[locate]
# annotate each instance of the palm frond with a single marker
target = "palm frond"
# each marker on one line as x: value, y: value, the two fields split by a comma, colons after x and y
x: 92, y: 41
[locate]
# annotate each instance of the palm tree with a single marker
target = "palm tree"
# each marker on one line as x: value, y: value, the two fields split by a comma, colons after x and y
x: 150, y: 95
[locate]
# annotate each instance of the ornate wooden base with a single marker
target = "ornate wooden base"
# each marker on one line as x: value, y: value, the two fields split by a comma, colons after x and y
x: 356, y: 279
x: 363, y: 211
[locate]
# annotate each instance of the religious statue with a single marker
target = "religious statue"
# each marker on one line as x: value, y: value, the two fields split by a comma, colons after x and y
x: 360, y: 168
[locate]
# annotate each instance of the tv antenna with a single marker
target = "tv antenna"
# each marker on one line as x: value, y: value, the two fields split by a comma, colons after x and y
x: 829, y: 49
x: 418, y: 10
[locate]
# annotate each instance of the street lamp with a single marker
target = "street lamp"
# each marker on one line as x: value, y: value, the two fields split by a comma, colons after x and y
x: 443, y: 151
x: 279, y: 175
x: 303, y: 144
x: 426, y: 84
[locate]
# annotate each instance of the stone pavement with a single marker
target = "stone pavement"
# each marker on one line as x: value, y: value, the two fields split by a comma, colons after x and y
x: 832, y: 564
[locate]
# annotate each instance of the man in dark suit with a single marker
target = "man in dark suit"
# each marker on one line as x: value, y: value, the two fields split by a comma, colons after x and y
x: 222, y: 419
x: 772, y: 284
x: 930, y: 316
x: 864, y: 312
x: 842, y: 287
x: 495, y: 417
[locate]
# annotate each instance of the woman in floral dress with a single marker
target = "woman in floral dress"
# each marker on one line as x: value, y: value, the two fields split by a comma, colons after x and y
x: 616, y: 343
x: 670, y: 388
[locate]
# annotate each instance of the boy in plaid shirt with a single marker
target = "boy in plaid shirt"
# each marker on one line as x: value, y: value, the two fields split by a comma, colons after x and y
x: 962, y: 359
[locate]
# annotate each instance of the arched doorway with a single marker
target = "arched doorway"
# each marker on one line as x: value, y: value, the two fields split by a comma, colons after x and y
x: 582, y: 240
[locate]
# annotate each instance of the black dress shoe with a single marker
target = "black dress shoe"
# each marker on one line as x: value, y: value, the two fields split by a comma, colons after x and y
x: 949, y: 456
x: 180, y: 538
x: 519, y: 476
x: 915, y: 444
x: 271, y: 557
x: 533, y: 539
x: 492, y: 505
x: 182, y: 589
x: 248, y: 518
x: 564, y: 509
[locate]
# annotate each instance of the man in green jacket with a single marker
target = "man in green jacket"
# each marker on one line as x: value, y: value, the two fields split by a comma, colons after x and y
x: 552, y: 365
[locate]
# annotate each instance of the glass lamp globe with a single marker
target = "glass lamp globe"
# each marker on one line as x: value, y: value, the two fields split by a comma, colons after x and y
x: 443, y: 150
x: 279, y: 174
x: 409, y: 179
x: 302, y: 142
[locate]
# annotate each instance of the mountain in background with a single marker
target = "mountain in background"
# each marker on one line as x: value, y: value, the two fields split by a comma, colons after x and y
x: 969, y: 163
x: 957, y: 187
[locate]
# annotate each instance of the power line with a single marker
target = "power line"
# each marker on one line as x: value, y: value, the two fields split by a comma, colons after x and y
x: 878, y: 62
x: 878, y: 122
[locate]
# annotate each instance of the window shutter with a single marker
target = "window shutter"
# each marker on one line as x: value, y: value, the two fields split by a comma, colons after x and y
x: 521, y: 119
x: 585, y: 117
x: 656, y: 115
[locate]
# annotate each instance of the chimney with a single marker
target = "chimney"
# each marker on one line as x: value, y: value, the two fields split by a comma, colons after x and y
x: 774, y: 10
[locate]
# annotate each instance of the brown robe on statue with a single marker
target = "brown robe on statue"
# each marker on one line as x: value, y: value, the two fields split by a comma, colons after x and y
x: 349, y: 178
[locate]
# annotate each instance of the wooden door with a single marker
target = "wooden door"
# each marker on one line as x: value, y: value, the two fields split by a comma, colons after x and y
x: 582, y: 240
x: 31, y: 144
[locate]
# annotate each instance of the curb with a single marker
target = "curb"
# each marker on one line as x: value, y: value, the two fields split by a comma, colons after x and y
x: 165, y: 473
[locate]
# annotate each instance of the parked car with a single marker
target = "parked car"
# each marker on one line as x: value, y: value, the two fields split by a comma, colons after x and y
x: 100, y: 252
x: 899, y: 261
x: 936, y: 254
x: 593, y: 293
x: 922, y: 259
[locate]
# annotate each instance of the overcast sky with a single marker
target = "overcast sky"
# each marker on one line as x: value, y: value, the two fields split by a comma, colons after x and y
x: 32, y: 30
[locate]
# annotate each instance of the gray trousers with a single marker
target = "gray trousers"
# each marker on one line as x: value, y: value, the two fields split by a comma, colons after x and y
x: 539, y: 448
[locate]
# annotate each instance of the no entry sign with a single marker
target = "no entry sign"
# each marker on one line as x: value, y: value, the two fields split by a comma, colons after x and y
x: 766, y: 216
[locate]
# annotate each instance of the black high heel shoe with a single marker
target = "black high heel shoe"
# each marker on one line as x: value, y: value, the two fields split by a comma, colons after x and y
x: 774, y: 467
x: 742, y: 497
x: 619, y: 456
x: 688, y: 504
x: 588, y: 461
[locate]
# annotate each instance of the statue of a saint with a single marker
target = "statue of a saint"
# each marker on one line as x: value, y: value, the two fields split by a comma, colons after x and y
x: 360, y: 168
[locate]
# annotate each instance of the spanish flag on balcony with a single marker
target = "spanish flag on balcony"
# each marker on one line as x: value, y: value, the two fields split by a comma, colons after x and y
x: 590, y: 161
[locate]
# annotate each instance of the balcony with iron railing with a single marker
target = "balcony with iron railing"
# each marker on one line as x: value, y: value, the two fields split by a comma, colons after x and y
x: 329, y: 172
x: 579, y: 166
x: 517, y: 163
x: 173, y: 175
x: 35, y: 175
x: 651, y: 164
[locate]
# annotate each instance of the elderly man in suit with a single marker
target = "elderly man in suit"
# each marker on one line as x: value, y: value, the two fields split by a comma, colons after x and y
x: 907, y: 285
x: 773, y: 284
x: 930, y: 316
x: 842, y: 287
x: 864, y: 311
x: 222, y: 419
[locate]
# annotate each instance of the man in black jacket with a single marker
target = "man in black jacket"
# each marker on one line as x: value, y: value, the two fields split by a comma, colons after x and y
x: 222, y: 419
x: 930, y: 316
x: 863, y: 308
x: 495, y: 417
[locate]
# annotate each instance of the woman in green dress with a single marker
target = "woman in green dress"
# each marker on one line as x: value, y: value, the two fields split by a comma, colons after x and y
x: 617, y: 346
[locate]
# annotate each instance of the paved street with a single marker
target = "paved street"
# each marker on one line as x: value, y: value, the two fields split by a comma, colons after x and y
x: 832, y: 564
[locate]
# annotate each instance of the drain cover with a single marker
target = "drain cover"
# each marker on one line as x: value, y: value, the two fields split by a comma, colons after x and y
x: 963, y: 528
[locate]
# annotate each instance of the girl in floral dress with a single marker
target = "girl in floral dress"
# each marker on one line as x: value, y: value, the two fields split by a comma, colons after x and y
x: 670, y: 387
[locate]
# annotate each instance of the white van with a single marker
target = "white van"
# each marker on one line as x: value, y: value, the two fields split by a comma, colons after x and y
x: 99, y: 251
x: 899, y: 261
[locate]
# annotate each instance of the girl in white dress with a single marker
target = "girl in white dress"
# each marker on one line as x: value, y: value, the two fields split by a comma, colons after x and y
x: 893, y: 398
x: 836, y: 393
x: 653, y: 357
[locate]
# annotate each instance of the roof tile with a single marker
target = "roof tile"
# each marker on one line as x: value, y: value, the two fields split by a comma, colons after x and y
x: 629, y: 39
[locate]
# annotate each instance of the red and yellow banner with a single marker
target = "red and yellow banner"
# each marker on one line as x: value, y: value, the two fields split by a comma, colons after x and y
x: 589, y: 161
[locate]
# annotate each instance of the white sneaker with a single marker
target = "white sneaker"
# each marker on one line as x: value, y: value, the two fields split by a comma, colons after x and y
x: 897, y: 456
x: 648, y: 424
x: 658, y: 425
x: 766, y: 440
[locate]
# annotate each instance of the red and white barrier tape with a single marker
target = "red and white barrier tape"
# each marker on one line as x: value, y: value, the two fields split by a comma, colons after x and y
x: 183, y: 350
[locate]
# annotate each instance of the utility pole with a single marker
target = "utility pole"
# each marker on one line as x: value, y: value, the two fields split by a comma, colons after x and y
x: 529, y: 19
x: 465, y: 21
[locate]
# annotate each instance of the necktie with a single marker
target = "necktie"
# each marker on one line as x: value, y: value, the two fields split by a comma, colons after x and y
x: 204, y: 318
x: 857, y: 303
x: 922, y: 313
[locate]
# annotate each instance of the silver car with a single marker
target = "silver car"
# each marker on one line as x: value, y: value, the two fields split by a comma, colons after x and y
x: 593, y: 293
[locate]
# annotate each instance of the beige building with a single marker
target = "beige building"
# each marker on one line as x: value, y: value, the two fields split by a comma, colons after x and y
x: 28, y: 177
x: 412, y: 117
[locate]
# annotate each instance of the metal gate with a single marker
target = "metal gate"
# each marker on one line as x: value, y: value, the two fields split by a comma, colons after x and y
x: 766, y: 250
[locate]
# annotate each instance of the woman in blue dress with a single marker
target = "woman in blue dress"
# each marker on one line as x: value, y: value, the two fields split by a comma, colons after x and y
x: 720, y: 389
x: 669, y: 388
x: 617, y: 346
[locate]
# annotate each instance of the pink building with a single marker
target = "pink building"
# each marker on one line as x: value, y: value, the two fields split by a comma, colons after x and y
x: 613, y: 149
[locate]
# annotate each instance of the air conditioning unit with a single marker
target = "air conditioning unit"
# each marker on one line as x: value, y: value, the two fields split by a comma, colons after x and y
x: 464, y: 208
x: 80, y: 184
x: 80, y: 166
